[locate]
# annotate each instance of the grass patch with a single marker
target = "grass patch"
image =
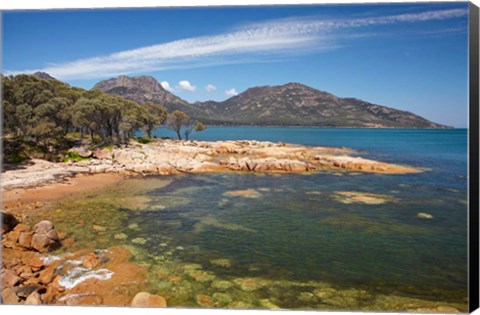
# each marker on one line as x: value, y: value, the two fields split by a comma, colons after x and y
x: 75, y: 157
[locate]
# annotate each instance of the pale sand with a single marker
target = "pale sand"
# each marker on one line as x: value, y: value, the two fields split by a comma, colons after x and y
x: 14, y: 199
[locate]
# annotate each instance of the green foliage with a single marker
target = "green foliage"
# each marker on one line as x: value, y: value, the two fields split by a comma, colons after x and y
x: 200, y: 127
x: 20, y: 149
x: 154, y: 117
x: 73, y: 156
x: 50, y: 112
x: 144, y: 140
x: 15, y: 158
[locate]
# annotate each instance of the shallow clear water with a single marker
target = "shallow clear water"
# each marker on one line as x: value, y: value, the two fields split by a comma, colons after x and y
x: 295, y: 231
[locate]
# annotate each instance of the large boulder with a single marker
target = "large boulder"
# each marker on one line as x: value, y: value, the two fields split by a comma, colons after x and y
x: 9, y: 296
x: 44, y: 237
x: 33, y: 299
x: 103, y: 154
x: 25, y: 239
x: 145, y: 299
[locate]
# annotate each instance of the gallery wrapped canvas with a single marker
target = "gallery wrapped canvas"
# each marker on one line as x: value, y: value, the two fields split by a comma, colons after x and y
x: 319, y: 157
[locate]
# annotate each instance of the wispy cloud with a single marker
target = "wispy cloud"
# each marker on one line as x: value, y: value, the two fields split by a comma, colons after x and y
x: 273, y: 38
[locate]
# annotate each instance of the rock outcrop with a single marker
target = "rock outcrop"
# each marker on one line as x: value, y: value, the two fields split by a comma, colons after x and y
x: 30, y: 277
x: 165, y: 157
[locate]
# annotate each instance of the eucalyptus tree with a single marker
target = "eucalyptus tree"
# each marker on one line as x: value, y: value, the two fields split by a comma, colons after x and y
x: 176, y: 120
x: 155, y: 117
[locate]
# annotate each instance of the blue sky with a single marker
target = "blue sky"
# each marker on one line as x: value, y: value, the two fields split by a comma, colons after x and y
x: 412, y: 57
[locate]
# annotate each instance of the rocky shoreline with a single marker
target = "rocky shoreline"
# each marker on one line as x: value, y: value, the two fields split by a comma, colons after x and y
x: 166, y: 157
x: 31, y: 275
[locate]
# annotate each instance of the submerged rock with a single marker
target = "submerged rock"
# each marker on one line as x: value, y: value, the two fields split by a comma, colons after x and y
x: 268, y: 304
x: 423, y: 215
x: 120, y: 236
x: 307, y: 297
x: 222, y: 285
x: 99, y: 228
x: 349, y: 197
x: 221, y: 262
x: 133, y: 226
x: 247, y: 193
x: 247, y: 284
x: 221, y: 299
x: 204, y: 300
x: 201, y: 276
x: 139, y: 240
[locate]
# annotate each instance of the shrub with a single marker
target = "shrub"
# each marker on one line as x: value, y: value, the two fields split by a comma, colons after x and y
x: 75, y: 157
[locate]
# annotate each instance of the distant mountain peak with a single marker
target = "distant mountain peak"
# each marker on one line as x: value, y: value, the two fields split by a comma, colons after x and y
x: 296, y: 104
x: 144, y: 89
x: 43, y: 75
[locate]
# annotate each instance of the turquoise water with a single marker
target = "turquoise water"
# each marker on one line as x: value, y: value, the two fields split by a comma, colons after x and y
x: 297, y: 230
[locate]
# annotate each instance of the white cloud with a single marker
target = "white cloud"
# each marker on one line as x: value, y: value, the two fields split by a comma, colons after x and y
x: 231, y: 92
x: 270, y: 39
x: 186, y: 85
x: 167, y: 86
x: 210, y: 88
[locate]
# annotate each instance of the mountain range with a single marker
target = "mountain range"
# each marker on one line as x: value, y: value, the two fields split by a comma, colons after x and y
x: 291, y: 104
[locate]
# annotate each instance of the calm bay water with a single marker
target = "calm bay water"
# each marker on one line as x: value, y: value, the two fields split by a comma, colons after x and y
x: 296, y: 231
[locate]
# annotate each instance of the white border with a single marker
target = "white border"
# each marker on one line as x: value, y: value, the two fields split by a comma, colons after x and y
x: 85, y: 4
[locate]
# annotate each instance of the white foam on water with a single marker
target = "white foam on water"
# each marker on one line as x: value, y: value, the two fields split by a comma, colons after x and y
x: 48, y: 259
x: 79, y: 274
x: 74, y: 262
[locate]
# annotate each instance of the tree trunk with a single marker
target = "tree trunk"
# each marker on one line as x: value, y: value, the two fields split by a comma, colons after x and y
x: 179, y: 135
